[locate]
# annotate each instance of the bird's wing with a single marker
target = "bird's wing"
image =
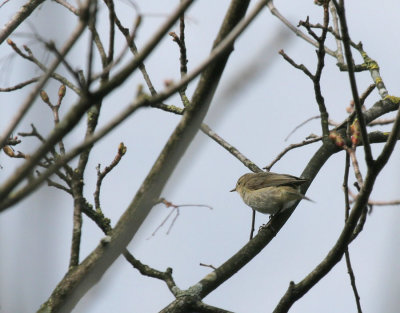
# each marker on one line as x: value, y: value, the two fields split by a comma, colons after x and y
x: 263, y: 180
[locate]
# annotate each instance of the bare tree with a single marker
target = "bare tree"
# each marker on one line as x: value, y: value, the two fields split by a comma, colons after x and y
x: 108, y: 67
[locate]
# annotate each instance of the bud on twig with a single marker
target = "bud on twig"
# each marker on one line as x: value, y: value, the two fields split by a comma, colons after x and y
x: 355, y: 132
x: 8, y: 150
x: 336, y: 138
x: 121, y: 149
x: 61, y: 91
x: 44, y: 97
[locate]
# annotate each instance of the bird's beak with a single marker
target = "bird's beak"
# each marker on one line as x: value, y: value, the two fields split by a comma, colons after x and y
x: 234, y: 189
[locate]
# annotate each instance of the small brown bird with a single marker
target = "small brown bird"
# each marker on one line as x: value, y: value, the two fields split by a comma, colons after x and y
x: 268, y: 192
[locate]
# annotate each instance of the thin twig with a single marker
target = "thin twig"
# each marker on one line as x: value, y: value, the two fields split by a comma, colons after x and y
x: 183, y: 58
x: 347, y: 254
x: 51, y: 183
x: 55, y: 109
x: 382, y: 121
x: 349, y: 59
x: 374, y: 202
x: 352, y: 280
x: 346, y: 186
x: 316, y: 78
x: 50, y: 46
x: 131, y: 43
x: 3, y: 3
x: 302, y: 124
x: 301, y: 67
x: 101, y: 174
x: 335, y: 22
x: 175, y: 208
x: 294, y: 29
x: 33, y: 133
x: 20, y: 85
x: 164, y: 221
x: 231, y: 149
x: 366, y: 93
x: 93, y: 40
x: 356, y: 167
x: 69, y: 6
x: 68, y: 169
x: 290, y: 147
x: 150, y: 272
x: 208, y: 265
x: 253, y: 221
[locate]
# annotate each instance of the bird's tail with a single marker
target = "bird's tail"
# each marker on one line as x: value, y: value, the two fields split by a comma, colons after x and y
x: 307, y: 198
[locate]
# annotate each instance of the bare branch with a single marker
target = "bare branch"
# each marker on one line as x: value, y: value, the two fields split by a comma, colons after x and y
x: 349, y: 59
x: 231, y: 149
x: 374, y: 202
x: 347, y: 254
x: 297, y: 32
x: 175, y: 208
x: 352, y: 280
x: 20, y: 85
x: 290, y: 147
x: 69, y: 6
x: 339, y: 48
x: 294, y: 64
x: 302, y: 124
x: 101, y: 174
x: 150, y: 272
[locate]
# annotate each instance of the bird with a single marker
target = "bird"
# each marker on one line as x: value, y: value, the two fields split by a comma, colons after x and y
x: 268, y: 192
